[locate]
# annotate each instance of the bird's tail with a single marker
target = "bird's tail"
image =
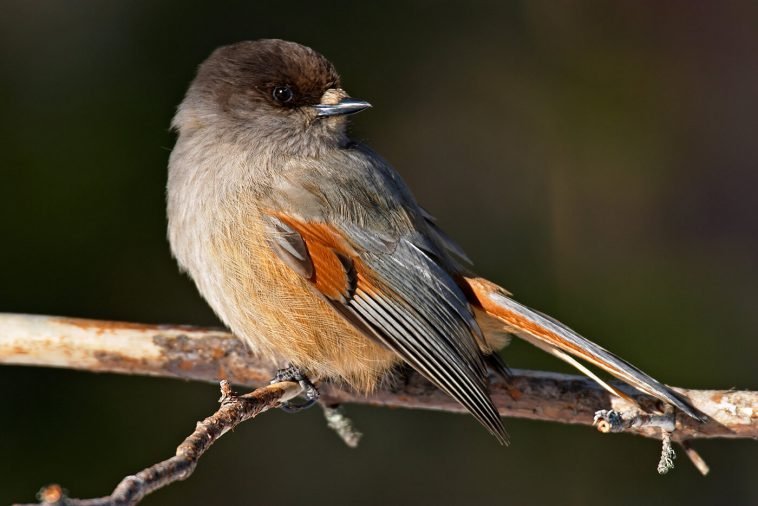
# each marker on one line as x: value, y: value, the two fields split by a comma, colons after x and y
x: 559, y: 340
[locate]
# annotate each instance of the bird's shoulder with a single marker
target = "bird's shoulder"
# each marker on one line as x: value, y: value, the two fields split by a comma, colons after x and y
x: 362, y: 198
x: 350, y: 187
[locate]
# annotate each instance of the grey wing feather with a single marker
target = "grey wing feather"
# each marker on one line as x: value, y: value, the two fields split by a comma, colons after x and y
x: 398, y: 327
x: 424, y: 317
x: 445, y: 240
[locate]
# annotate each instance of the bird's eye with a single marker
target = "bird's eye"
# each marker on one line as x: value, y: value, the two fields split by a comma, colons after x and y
x: 283, y: 94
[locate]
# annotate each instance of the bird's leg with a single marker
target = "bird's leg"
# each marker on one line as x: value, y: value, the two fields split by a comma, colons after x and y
x: 310, y: 392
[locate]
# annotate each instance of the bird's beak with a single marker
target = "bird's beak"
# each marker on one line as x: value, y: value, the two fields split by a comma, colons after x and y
x: 345, y: 106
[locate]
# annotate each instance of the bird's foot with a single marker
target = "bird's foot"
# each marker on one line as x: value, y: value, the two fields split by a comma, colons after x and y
x: 310, y: 392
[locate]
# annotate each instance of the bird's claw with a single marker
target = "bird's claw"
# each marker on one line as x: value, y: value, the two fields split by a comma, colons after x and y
x: 310, y: 392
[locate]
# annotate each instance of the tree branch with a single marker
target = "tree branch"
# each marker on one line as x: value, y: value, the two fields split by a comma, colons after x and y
x: 211, y: 355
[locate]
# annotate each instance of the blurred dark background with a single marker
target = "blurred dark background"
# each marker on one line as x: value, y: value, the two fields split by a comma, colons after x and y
x: 599, y: 159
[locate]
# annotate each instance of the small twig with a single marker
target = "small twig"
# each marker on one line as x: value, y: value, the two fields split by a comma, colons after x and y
x: 233, y: 411
x: 614, y: 421
x: 695, y: 458
x: 608, y: 421
x: 341, y: 424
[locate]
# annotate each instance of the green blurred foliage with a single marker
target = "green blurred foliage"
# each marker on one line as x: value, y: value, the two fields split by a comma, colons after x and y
x: 597, y: 158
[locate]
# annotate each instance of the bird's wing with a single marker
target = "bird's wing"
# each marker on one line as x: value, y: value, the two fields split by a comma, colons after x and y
x: 559, y: 340
x: 456, y: 253
x: 396, y: 293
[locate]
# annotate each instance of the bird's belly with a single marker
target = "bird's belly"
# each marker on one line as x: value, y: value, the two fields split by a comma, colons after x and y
x: 277, y: 312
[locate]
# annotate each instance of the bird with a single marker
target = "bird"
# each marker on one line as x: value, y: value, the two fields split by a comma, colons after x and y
x: 311, y: 248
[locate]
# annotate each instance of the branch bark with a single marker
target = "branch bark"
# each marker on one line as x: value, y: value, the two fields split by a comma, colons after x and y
x: 211, y: 355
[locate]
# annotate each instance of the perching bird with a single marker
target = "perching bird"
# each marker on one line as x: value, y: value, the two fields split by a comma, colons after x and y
x: 312, y: 249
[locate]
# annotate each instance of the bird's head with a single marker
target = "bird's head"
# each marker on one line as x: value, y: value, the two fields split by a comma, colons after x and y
x: 272, y: 89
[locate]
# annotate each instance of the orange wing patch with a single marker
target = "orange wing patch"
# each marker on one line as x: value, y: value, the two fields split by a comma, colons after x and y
x: 332, y: 257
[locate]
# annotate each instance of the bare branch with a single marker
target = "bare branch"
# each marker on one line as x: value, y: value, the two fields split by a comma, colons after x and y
x: 212, y: 355
x: 233, y: 411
